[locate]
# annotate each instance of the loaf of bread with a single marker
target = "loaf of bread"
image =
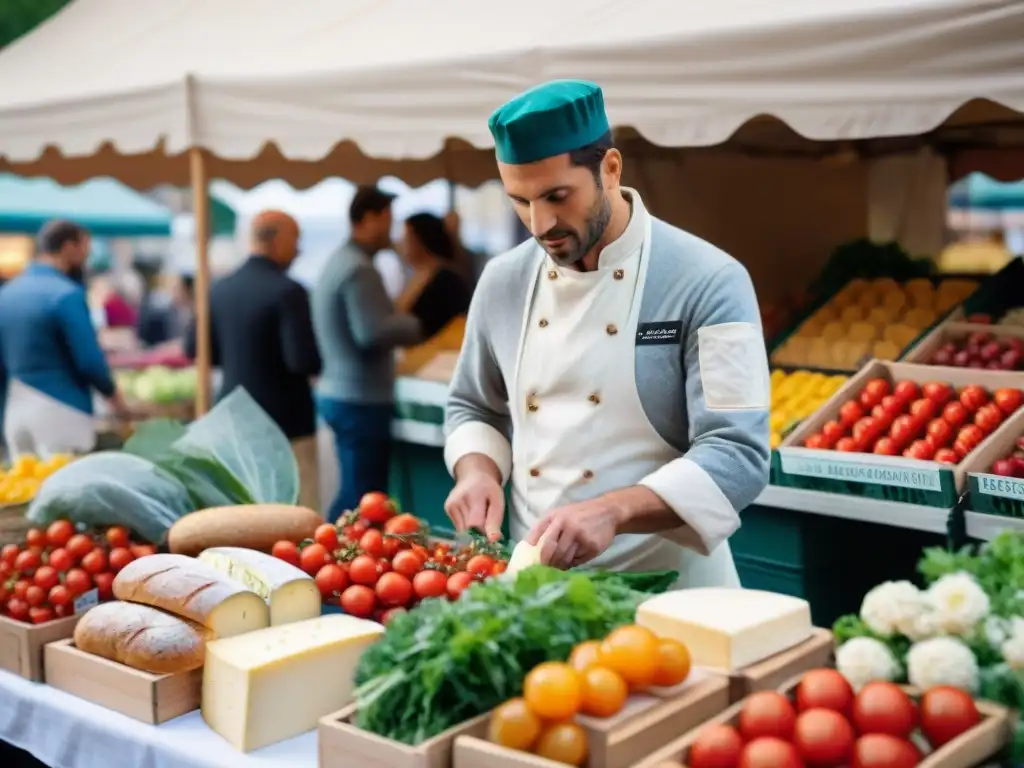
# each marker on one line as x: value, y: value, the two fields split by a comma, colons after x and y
x: 252, y: 526
x: 142, y: 637
x: 190, y: 589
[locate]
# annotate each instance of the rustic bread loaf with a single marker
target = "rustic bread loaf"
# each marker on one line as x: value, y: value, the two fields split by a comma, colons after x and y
x: 190, y: 589
x: 143, y: 638
x: 251, y: 526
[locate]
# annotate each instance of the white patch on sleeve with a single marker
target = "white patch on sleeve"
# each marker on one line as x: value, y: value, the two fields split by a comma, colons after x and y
x: 733, y: 367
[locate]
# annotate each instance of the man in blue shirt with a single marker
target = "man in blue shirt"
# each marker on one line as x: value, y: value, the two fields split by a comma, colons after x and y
x: 50, y: 354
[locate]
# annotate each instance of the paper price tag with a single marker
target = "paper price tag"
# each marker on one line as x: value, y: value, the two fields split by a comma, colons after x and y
x: 87, y: 600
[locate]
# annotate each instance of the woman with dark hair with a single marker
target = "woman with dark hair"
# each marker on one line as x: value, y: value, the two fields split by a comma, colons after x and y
x: 436, y: 293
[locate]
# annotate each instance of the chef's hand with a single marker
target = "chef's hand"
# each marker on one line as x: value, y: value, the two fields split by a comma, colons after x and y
x: 577, y: 533
x: 477, y: 502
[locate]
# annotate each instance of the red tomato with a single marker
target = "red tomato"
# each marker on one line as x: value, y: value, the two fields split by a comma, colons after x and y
x: 832, y: 431
x: 939, y: 433
x: 372, y: 543
x: 407, y: 563
x: 313, y: 557
x: 847, y: 445
x: 457, y: 584
x: 61, y: 560
x: 95, y: 561
x: 920, y: 449
x: 331, y: 580
x: 358, y: 601
x: 59, y: 533
x: 119, y: 558
x: 9, y: 553
x: 972, y: 397
x: 104, y: 585
x: 938, y: 391
x: 880, y: 750
x: 865, y: 431
x: 20, y: 586
x: 79, y: 546
x: 402, y: 524
x: 17, y: 609
x: 46, y: 577
x: 892, y: 406
x: 770, y: 752
x: 823, y: 737
x: 36, y: 538
x: 389, y: 614
x: 499, y: 567
x: 878, y: 388
x: 906, y: 391
x: 924, y: 409
x: 882, y: 707
x: 327, y: 535
x: 903, y: 430
x: 988, y: 417
x: 60, y: 595
x: 141, y: 550
x: 376, y: 507
x: 118, y: 537
x: 364, y: 570
x: 955, y: 414
x: 287, y: 551
x: 480, y: 565
x: 35, y: 595
x: 391, y: 546
x: 27, y: 562
x: 394, y: 589
x: 78, y: 581
x: 820, y: 442
x: 946, y: 456
x: 882, y: 419
x: 869, y: 399
x: 968, y: 439
x: 39, y: 614
x: 429, y: 583
x: 767, y: 713
x: 63, y: 611
x: 5, y: 594
x: 824, y: 689
x: 850, y: 413
x: 886, y: 446
x: 716, y: 746
x: 1008, y: 400
x: 946, y: 712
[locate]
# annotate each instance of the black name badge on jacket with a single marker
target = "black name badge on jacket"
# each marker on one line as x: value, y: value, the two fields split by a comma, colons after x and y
x: 659, y: 333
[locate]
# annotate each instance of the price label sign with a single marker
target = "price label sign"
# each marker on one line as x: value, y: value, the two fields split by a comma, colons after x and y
x: 87, y: 600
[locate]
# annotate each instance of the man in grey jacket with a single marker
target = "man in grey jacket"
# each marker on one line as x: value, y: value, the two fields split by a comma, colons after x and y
x: 358, y: 330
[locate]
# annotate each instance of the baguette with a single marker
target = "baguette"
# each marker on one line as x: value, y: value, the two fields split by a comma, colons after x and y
x: 143, y: 638
x: 190, y: 589
x: 251, y: 526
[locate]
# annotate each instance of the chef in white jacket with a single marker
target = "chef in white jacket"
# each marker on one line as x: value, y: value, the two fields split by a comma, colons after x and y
x: 613, y: 369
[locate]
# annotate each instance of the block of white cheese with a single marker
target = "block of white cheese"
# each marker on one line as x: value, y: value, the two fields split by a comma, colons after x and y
x: 525, y: 555
x: 728, y: 629
x: 291, y: 594
x: 275, y: 683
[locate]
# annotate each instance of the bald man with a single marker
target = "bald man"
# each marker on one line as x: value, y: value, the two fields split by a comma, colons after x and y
x: 262, y: 339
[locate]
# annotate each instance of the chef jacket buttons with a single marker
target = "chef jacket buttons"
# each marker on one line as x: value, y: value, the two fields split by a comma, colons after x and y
x: 534, y: 472
x: 552, y: 274
x: 542, y: 323
x: 610, y: 329
x: 594, y: 398
x: 531, y: 403
x: 588, y: 475
x: 618, y: 274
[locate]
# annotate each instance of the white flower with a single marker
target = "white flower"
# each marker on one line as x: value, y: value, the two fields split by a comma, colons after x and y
x: 864, y: 659
x: 923, y: 626
x: 942, y: 661
x: 1013, y: 648
x: 892, y: 607
x: 958, y: 602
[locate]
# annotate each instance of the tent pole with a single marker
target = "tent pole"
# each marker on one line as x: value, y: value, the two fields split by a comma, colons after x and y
x: 201, y: 294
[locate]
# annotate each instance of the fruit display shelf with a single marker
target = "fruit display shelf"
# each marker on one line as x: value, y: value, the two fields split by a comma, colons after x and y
x: 915, y: 517
x: 996, y: 499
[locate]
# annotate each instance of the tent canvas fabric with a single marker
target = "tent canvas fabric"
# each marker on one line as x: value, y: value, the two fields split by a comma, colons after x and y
x: 105, y: 207
x: 399, y: 82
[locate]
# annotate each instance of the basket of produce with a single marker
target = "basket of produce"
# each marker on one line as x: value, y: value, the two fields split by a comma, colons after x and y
x: 967, y: 345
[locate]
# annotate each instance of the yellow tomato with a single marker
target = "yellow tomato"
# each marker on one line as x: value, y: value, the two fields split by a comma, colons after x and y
x: 553, y: 690
x: 514, y: 725
x: 604, y: 691
x: 632, y: 651
x: 564, y: 743
x: 585, y: 655
x: 673, y: 663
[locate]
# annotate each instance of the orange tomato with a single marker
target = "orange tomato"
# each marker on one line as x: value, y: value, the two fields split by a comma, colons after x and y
x: 604, y: 691
x: 673, y: 663
x: 563, y: 743
x: 632, y: 651
x: 553, y: 690
x: 584, y: 655
x: 514, y: 725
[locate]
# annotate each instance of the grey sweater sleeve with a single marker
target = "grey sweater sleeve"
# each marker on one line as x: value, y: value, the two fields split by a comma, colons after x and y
x: 371, y: 315
x: 477, y: 416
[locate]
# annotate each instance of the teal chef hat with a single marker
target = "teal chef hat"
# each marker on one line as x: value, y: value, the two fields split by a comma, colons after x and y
x: 548, y: 120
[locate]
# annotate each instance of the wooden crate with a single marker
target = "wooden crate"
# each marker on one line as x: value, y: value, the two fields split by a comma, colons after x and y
x: 966, y: 751
x: 21, y: 644
x: 153, y: 699
x: 619, y: 741
x: 816, y: 651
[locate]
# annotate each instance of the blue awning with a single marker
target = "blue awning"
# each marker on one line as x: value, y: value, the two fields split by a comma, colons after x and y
x: 105, y: 207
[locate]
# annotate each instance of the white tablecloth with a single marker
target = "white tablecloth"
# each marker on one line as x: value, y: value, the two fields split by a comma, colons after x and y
x: 64, y: 731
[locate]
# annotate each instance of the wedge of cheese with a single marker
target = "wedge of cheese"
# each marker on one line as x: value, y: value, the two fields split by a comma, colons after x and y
x: 728, y: 629
x: 275, y: 683
x: 525, y: 555
x: 291, y: 594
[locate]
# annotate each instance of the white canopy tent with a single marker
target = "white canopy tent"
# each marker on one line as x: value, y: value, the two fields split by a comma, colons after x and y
x: 867, y: 98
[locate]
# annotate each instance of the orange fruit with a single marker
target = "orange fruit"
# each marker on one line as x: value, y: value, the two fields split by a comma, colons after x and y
x: 513, y: 725
x: 673, y: 663
x: 563, y: 743
x: 553, y: 690
x: 604, y: 691
x: 632, y: 651
x: 585, y: 655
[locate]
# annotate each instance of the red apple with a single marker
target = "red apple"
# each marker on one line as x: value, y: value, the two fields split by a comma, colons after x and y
x: 962, y: 359
x: 1018, y: 466
x: 947, y: 456
x: 1008, y: 399
x: 955, y: 414
x: 943, y: 357
x: 938, y: 391
x: 979, y: 339
x: 1004, y: 467
x: 1011, y: 359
